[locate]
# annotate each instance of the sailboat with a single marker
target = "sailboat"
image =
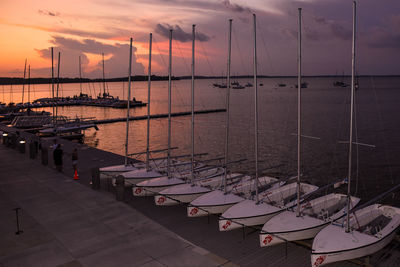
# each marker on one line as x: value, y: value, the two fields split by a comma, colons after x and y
x: 366, y: 230
x: 251, y: 212
x: 155, y: 185
x: 218, y: 201
x: 311, y: 216
x: 139, y: 175
x: 118, y: 169
x: 185, y: 193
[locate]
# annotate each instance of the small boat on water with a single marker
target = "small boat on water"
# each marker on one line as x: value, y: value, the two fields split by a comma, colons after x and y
x: 238, y: 86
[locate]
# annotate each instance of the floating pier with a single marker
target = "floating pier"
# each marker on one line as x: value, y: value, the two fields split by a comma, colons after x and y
x: 158, y: 116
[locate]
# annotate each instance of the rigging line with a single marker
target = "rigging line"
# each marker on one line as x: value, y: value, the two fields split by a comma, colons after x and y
x: 206, y: 56
x: 357, y: 146
x: 379, y: 111
x: 268, y: 56
x: 240, y: 53
x: 159, y: 52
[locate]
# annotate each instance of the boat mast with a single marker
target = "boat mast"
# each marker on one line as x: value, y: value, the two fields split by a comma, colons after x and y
x: 104, y: 79
x: 128, y: 102
x: 52, y: 79
x: 255, y: 107
x: 80, y: 75
x: 29, y: 84
x: 298, y: 115
x: 23, y: 83
x: 148, y: 106
x: 192, y: 96
x: 228, y: 86
x: 58, y: 83
x: 169, y: 105
x: 353, y: 71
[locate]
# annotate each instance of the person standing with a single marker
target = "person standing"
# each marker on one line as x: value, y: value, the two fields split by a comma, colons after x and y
x: 75, y: 159
x: 58, y: 157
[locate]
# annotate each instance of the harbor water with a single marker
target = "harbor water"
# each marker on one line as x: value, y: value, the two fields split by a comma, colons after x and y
x: 325, y: 114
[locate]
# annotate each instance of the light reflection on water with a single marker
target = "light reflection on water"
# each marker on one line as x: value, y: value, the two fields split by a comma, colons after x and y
x: 325, y: 114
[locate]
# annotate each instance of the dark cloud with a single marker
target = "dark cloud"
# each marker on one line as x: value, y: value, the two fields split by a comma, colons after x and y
x: 115, y: 66
x: 179, y: 34
x: 235, y: 7
x: 48, y: 13
x: 386, y: 35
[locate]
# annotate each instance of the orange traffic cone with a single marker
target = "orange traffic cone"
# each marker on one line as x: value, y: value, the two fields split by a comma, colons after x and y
x: 76, y: 176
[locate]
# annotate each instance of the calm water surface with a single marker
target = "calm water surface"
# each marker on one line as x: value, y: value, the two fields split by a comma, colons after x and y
x: 325, y: 114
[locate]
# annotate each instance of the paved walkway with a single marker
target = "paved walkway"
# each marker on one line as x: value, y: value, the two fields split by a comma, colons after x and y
x: 67, y: 224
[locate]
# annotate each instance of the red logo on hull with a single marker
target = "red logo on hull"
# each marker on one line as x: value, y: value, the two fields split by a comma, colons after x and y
x: 319, y: 260
x: 193, y: 211
x: 138, y: 190
x: 267, y: 239
x: 226, y: 225
x: 161, y: 200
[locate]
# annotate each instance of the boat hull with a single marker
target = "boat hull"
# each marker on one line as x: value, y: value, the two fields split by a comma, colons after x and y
x: 235, y: 223
x: 154, y: 186
x: 319, y: 259
x: 270, y: 239
x: 199, y: 211
x: 170, y: 200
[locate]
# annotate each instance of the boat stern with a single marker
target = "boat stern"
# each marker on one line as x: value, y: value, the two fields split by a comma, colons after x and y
x: 268, y: 239
x: 139, y: 191
x: 162, y: 200
x: 228, y: 225
x: 194, y: 211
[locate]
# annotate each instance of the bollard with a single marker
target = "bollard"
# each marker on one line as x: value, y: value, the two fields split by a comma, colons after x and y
x: 32, y: 150
x: 120, y: 187
x: 21, y: 146
x: 95, y: 178
x: 5, y: 138
x: 45, y: 156
x: 13, y: 141
x: 10, y: 140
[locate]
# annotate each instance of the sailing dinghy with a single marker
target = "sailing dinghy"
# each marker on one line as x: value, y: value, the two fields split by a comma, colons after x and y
x: 365, y: 230
x: 314, y: 215
x: 309, y: 218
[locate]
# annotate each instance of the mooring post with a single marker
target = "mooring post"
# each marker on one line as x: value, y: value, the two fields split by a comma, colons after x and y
x: 95, y: 178
x: 120, y: 187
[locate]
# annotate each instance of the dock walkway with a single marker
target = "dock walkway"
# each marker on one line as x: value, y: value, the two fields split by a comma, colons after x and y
x: 65, y: 223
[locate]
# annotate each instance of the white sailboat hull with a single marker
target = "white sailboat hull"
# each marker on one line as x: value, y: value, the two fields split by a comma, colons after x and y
x: 288, y: 227
x: 112, y: 171
x: 153, y: 186
x: 269, y: 239
x: 319, y: 259
x: 199, y: 211
x: 169, y: 200
x: 333, y: 243
x: 250, y: 213
x: 227, y: 224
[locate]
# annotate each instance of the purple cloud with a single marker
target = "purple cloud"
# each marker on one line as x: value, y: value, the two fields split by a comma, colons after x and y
x: 179, y: 34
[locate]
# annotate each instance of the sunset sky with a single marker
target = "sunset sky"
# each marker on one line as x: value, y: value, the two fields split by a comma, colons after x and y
x: 88, y: 28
